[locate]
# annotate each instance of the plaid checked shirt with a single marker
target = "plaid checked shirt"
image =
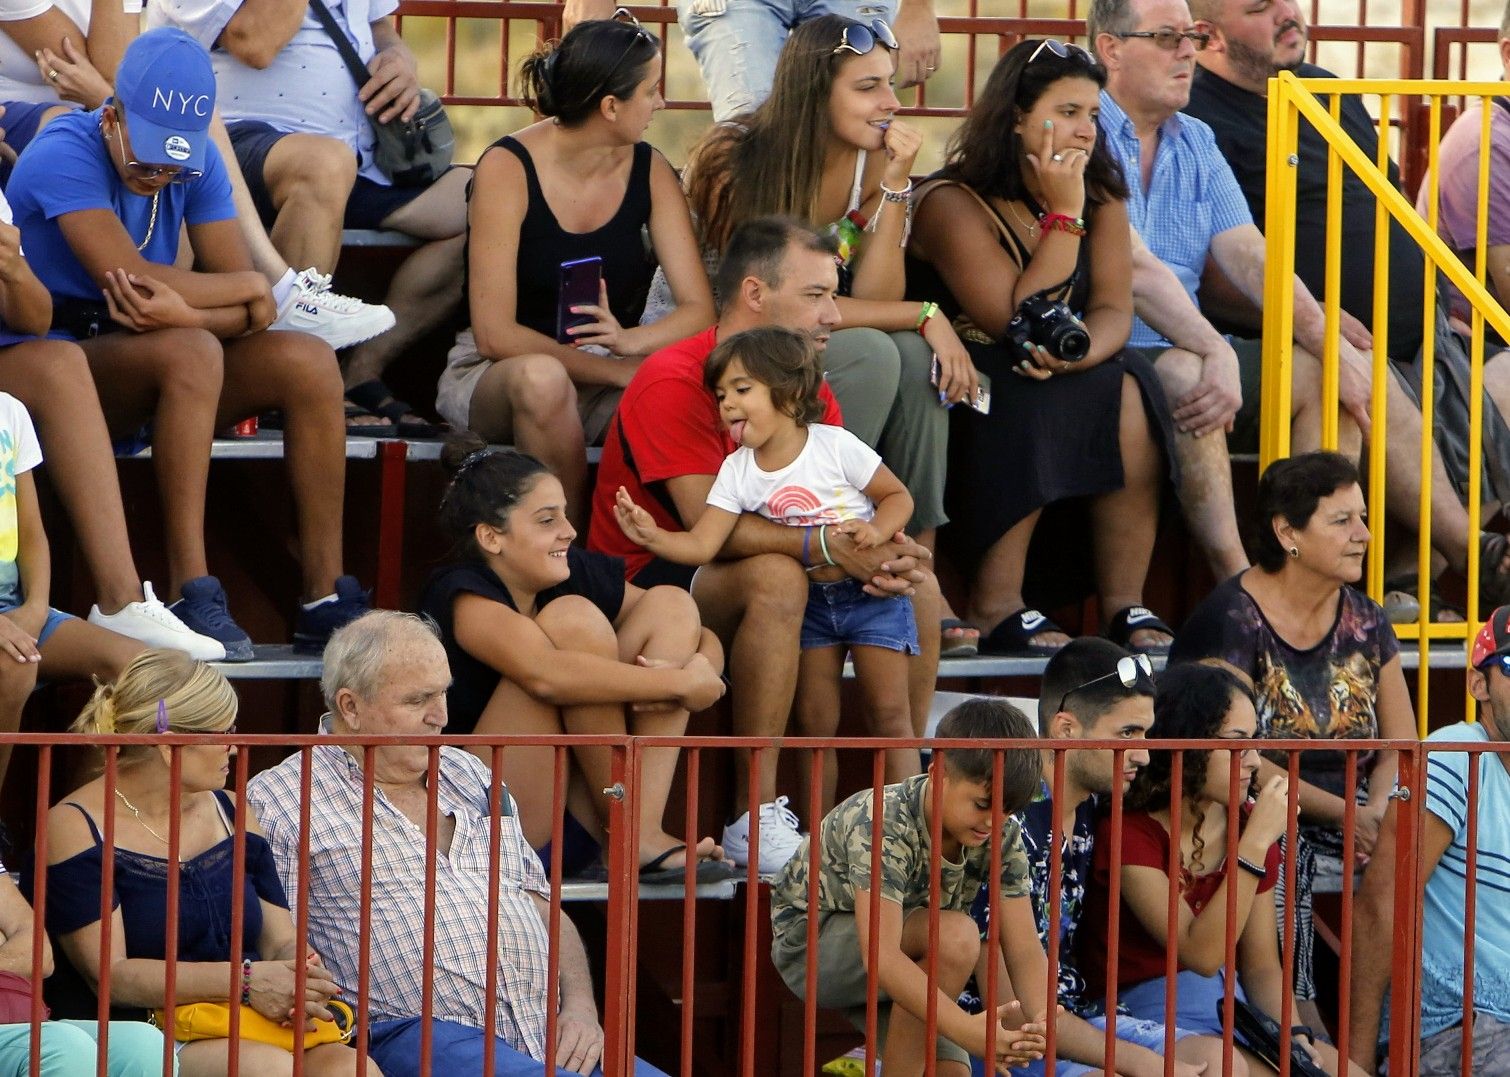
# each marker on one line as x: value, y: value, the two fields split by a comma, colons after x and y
x: 1191, y: 197
x: 459, y: 960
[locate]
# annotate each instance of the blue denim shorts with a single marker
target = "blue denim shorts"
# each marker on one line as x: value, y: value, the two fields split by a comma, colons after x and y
x: 842, y: 613
x: 55, y: 617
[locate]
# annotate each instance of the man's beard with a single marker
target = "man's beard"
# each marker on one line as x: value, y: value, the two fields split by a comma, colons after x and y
x: 1257, y: 66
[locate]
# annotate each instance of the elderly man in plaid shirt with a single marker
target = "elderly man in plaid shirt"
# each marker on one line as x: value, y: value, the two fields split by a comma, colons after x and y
x: 386, y: 673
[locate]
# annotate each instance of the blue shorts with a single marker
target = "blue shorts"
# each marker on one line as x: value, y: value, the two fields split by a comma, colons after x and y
x: 842, y: 614
x: 457, y: 1048
x: 368, y: 206
x: 1197, y: 1004
x: 1133, y: 1030
x: 49, y: 626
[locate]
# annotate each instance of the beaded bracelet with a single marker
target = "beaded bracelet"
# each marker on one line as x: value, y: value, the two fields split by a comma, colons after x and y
x: 887, y: 194
x: 246, y: 981
x: 1256, y: 870
x: 1062, y: 222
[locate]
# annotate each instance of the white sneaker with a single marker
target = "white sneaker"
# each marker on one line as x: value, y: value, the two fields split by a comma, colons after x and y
x: 155, y: 625
x: 779, y: 837
x: 339, y: 320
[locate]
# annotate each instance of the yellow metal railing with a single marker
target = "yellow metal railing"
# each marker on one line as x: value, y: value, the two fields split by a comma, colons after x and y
x: 1292, y: 101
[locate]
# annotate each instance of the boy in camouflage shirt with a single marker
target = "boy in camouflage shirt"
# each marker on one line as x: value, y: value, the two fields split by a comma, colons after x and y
x: 844, y: 838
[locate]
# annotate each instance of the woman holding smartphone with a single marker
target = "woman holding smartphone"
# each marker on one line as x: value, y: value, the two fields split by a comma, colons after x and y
x: 580, y: 184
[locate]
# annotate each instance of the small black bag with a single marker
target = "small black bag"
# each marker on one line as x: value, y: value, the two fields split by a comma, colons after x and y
x: 411, y: 153
x: 1260, y: 1034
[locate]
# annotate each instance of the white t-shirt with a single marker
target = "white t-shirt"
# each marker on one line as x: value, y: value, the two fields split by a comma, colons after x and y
x: 19, y: 78
x: 824, y: 485
x: 306, y: 88
x: 19, y: 453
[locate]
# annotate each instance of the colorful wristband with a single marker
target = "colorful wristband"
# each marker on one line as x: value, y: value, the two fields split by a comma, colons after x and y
x: 807, y: 541
x: 930, y: 309
x: 1256, y: 870
x: 1062, y: 222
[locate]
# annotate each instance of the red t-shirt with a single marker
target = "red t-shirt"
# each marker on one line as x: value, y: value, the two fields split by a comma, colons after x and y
x: 1140, y: 957
x: 671, y: 424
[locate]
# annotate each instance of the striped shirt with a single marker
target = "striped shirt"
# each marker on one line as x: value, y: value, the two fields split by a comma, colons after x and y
x: 1192, y: 196
x: 396, y: 942
x: 1442, y: 952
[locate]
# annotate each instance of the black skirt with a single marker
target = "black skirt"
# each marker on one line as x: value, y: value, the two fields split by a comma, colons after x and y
x: 1043, y: 442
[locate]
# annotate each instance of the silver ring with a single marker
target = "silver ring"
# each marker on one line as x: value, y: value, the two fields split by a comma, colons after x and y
x: 1058, y: 157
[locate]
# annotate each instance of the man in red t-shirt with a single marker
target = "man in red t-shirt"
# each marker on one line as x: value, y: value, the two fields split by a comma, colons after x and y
x: 665, y: 446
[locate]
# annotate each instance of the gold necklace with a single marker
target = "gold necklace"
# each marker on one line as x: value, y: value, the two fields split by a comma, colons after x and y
x: 151, y: 224
x: 1030, y: 225
x: 132, y: 807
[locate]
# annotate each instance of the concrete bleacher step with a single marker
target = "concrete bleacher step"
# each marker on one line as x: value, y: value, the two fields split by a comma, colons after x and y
x: 268, y: 445
x: 583, y: 890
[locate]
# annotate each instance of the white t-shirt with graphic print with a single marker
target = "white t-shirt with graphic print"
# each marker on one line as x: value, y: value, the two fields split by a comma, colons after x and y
x: 824, y: 485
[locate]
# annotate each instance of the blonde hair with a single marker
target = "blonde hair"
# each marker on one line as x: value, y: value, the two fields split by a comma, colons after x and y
x: 196, y: 698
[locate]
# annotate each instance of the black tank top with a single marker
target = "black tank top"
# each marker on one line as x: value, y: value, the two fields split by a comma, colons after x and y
x: 623, y: 244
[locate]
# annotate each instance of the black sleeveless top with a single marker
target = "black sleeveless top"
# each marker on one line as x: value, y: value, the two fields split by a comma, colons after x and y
x: 925, y: 282
x: 623, y: 244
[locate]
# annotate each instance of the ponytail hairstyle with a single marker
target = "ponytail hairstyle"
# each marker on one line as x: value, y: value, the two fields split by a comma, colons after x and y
x: 568, y: 79
x: 486, y: 486
x: 160, y: 691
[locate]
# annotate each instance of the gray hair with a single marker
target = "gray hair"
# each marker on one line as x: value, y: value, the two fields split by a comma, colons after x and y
x: 357, y: 651
x: 1108, y: 17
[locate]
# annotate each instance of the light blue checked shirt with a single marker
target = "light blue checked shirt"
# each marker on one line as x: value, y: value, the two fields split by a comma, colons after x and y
x: 1191, y: 197
x: 459, y: 960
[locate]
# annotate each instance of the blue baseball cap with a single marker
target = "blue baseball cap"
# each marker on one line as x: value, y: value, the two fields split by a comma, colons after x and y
x: 165, y: 85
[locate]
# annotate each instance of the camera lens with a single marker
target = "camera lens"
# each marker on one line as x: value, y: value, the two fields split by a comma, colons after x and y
x: 1070, y: 342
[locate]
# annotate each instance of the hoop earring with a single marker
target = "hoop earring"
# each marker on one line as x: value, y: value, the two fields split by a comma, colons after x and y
x: 1294, y: 551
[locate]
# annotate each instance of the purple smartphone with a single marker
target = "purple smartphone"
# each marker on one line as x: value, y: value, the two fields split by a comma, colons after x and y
x: 580, y: 283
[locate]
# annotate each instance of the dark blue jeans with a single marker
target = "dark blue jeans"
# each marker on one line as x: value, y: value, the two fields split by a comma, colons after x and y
x: 458, y: 1049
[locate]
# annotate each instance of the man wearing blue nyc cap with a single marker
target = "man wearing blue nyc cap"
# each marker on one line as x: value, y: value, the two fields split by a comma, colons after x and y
x: 100, y: 198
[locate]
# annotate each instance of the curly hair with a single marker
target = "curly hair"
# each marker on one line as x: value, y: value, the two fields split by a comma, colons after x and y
x: 1191, y: 704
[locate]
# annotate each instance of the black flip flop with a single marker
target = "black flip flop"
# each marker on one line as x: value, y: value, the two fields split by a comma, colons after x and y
x: 376, y: 398
x: 706, y: 871
x: 1014, y: 636
x: 1137, y: 619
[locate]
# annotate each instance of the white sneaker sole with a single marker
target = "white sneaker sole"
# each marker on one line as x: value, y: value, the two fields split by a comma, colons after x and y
x: 345, y: 330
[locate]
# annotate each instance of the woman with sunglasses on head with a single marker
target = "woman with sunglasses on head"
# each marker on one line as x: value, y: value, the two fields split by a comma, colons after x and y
x: 1323, y: 658
x: 166, y: 692
x: 1196, y: 702
x: 826, y: 149
x: 580, y: 184
x: 1024, y: 237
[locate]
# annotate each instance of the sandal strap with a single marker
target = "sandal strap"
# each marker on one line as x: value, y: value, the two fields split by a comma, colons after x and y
x: 377, y: 398
x: 1022, y: 626
x: 1134, y: 619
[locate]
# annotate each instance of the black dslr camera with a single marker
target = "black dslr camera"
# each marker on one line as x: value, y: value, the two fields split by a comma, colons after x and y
x: 1050, y: 325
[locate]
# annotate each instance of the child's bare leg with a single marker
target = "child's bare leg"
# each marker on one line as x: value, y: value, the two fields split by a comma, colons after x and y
x: 954, y: 960
x: 928, y: 609
x: 882, y: 676
x: 663, y: 628
x: 817, y: 712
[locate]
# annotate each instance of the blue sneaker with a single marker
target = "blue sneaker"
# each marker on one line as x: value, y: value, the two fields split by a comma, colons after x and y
x: 314, y: 626
x: 203, y: 609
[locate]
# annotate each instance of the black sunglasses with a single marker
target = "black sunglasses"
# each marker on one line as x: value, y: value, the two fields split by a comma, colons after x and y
x: 1128, y: 670
x: 626, y: 17
x: 1065, y: 50
x: 1169, y: 40
x: 861, y: 39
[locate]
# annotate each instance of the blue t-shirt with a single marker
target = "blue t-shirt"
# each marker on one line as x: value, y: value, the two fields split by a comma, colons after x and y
x: 1037, y: 821
x: 1442, y: 938
x: 66, y: 168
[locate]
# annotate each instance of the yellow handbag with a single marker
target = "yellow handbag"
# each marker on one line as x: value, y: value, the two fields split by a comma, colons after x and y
x: 212, y: 1021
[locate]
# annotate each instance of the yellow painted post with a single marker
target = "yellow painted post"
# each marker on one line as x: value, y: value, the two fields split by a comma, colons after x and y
x: 1428, y: 408
x: 1330, y: 357
x: 1279, y: 262
x: 1379, y: 383
x: 1476, y: 383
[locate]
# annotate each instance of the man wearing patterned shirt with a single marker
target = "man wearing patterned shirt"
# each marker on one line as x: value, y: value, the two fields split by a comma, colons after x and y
x: 905, y: 858
x: 386, y: 673
x: 1091, y: 690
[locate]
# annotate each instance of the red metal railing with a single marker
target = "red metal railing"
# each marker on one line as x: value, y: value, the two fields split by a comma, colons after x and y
x: 751, y: 989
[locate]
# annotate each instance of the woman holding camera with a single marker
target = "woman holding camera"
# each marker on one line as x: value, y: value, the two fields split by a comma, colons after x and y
x: 1024, y: 235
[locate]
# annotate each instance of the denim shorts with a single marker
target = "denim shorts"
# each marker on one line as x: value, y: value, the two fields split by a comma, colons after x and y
x: 841, y: 613
x: 49, y: 626
x: 1149, y: 1034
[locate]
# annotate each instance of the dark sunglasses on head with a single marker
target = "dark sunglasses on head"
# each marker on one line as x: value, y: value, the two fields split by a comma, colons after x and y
x: 1129, y: 668
x: 1169, y: 40
x: 1065, y: 50
x: 861, y: 39
x: 626, y: 17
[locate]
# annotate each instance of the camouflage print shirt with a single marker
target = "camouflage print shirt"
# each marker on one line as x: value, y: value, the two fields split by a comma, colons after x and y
x: 844, y: 860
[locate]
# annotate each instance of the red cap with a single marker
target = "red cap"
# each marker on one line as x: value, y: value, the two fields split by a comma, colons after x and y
x: 1493, y: 639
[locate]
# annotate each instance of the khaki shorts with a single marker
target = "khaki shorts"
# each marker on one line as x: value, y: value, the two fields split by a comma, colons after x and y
x: 842, y: 981
x: 1442, y: 1054
x: 465, y: 368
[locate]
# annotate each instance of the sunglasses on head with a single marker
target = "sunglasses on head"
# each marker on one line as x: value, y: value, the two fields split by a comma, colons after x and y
x: 1129, y: 668
x: 626, y: 17
x: 861, y: 39
x: 1169, y: 40
x: 1065, y: 50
